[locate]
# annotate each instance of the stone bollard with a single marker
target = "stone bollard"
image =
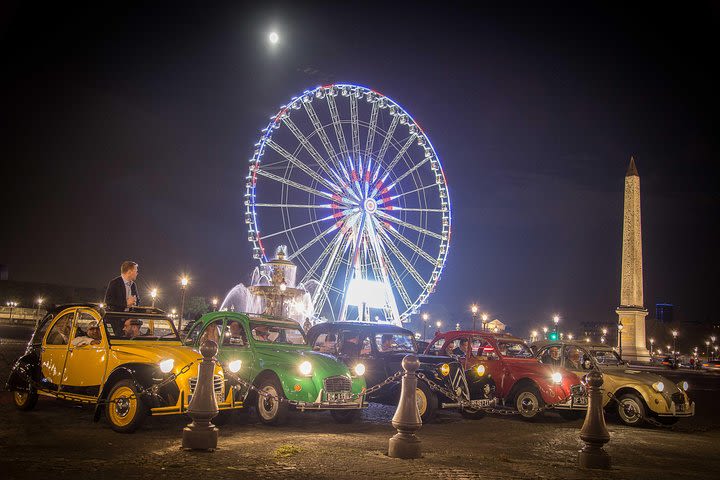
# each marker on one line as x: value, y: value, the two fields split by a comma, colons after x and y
x: 594, y: 432
x: 201, y: 434
x: 405, y: 444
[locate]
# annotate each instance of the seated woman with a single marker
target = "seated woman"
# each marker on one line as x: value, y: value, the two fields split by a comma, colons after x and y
x: 211, y: 333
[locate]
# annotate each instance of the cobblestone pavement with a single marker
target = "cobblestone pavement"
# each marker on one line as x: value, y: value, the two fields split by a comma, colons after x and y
x: 59, y: 440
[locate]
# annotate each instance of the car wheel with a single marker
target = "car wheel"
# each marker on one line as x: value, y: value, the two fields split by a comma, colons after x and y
x: 125, y: 410
x: 345, y: 416
x: 529, y: 403
x: 271, y: 410
x: 25, y: 400
x: 427, y: 402
x: 631, y: 410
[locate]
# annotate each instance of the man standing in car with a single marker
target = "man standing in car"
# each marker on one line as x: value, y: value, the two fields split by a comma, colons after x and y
x: 122, y: 291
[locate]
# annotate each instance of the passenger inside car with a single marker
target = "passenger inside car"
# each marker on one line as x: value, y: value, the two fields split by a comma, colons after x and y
x: 234, y: 334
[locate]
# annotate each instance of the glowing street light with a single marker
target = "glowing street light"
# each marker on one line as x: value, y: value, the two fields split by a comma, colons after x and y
x: 425, y: 318
x: 652, y: 343
x: 184, y: 281
x: 215, y: 302
x: 457, y: 326
x: 620, y: 329
x: 153, y: 295
x: 556, y: 320
x: 545, y: 329
x: 474, y: 310
x: 438, y: 324
x: 675, y: 334
x: 274, y: 38
x: 570, y: 336
x: 533, y: 335
x: 484, y: 318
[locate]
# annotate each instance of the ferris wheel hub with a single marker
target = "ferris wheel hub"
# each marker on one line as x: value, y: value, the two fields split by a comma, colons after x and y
x: 370, y: 205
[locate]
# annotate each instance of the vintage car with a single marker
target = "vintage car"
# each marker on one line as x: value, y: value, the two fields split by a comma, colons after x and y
x: 639, y: 394
x: 277, y: 359
x: 381, y: 347
x: 519, y: 379
x: 127, y: 364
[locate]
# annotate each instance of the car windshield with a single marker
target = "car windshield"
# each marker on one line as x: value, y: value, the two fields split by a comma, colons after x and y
x: 514, y: 349
x: 286, y: 335
x: 606, y: 357
x: 133, y: 327
x: 394, y: 342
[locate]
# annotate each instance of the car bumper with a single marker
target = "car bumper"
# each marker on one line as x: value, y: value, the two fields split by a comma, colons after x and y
x: 678, y: 410
x: 332, y: 405
x: 229, y: 403
x: 474, y: 404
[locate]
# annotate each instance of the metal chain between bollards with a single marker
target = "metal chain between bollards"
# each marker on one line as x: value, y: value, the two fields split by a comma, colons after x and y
x: 646, y: 418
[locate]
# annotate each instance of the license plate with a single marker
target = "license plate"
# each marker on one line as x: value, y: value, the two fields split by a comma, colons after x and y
x: 679, y: 407
x: 580, y: 401
x: 338, y: 397
x: 486, y: 402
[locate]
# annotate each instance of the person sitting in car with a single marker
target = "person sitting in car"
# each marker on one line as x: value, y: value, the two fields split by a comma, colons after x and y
x: 462, y: 349
x: 386, y: 342
x: 131, y: 328
x: 351, y: 346
x: 91, y: 338
x: 573, y: 359
x: 552, y: 357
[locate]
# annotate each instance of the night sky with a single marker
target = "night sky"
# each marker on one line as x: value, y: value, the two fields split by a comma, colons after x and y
x: 126, y: 132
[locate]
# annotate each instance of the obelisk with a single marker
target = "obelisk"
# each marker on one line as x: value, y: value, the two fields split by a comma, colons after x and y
x: 631, y: 311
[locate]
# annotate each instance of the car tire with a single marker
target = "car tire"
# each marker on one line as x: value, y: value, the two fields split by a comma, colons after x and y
x: 271, y: 411
x: 25, y: 401
x: 427, y: 402
x: 125, y: 410
x: 345, y: 416
x: 631, y: 410
x: 529, y: 403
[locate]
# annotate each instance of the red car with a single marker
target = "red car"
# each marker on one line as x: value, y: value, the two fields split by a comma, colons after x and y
x: 520, y: 379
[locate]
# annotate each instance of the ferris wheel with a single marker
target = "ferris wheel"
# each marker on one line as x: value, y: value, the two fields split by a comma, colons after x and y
x: 351, y: 183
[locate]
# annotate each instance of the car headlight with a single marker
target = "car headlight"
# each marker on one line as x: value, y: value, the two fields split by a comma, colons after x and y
x: 684, y: 385
x: 234, y: 366
x: 658, y: 386
x: 445, y: 369
x: 480, y: 369
x: 359, y: 369
x: 167, y: 365
x: 556, y: 377
x: 305, y: 367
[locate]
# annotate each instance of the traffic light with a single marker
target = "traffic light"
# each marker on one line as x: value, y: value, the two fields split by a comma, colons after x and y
x: 553, y: 336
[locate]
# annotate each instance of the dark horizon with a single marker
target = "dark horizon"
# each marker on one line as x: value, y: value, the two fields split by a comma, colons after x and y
x: 127, y: 133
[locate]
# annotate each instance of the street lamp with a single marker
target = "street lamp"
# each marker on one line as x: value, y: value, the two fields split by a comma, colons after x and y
x: 425, y: 317
x: 570, y: 336
x: 437, y: 324
x: 707, y: 349
x: 620, y: 329
x: 183, y: 286
x: 153, y: 295
x: 457, y: 326
x: 484, y: 318
x: 602, y: 339
x: 12, y: 306
x: 652, y: 342
x: 556, y: 320
x: 215, y: 302
x: 474, y: 310
x: 545, y: 329
x: 40, y: 301
x: 533, y: 335
x: 675, y: 334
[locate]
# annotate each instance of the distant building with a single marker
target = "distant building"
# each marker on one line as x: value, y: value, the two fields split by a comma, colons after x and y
x: 664, y: 312
x: 496, y: 326
x: 594, y: 331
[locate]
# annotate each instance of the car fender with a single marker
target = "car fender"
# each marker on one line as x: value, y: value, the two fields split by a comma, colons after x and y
x: 30, y: 363
x: 637, y: 389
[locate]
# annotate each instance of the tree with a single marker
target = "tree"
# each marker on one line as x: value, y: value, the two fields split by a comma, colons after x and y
x: 195, y: 307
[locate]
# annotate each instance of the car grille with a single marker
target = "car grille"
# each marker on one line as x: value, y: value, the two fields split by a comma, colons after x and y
x: 218, y: 385
x: 678, y: 398
x: 337, y: 384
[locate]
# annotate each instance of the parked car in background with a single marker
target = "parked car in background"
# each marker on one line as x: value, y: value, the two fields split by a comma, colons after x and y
x: 712, y: 365
x: 640, y: 395
x: 134, y: 360
x: 276, y: 358
x: 519, y: 379
x: 381, y: 347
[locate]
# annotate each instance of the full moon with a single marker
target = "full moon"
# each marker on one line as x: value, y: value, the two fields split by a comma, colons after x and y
x: 273, y: 37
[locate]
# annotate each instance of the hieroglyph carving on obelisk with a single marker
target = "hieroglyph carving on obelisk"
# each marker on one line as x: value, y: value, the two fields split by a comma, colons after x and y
x: 631, y: 312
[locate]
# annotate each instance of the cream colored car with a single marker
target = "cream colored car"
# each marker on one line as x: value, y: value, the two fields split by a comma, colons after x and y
x: 637, y: 397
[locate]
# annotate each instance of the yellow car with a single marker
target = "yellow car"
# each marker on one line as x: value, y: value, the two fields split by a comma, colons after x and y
x: 127, y: 364
x: 637, y: 397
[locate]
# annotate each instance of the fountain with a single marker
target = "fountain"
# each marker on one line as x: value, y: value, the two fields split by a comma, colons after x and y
x: 272, y: 291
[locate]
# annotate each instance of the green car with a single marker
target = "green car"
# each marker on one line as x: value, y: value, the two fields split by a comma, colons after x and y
x: 276, y: 358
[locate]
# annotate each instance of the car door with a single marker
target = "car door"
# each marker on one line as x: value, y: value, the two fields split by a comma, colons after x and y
x: 84, y: 370
x: 495, y: 368
x: 53, y: 352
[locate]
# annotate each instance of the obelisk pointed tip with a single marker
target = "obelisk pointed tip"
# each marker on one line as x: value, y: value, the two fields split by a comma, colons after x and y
x: 632, y: 170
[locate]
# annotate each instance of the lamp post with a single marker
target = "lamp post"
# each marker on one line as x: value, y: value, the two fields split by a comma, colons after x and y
x: 707, y: 349
x: 183, y: 286
x: 40, y: 301
x: 712, y: 339
x: 556, y: 320
x: 484, y: 318
x: 545, y: 329
x: 570, y: 336
x: 12, y: 306
x: 675, y: 334
x: 457, y: 327
x: 652, y: 343
x: 215, y: 302
x: 438, y: 324
x: 620, y: 329
x: 533, y: 335
x: 474, y: 310
x: 153, y: 295
x: 425, y: 317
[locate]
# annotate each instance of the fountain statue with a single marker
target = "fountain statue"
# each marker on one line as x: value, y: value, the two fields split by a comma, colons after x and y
x: 272, y: 292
